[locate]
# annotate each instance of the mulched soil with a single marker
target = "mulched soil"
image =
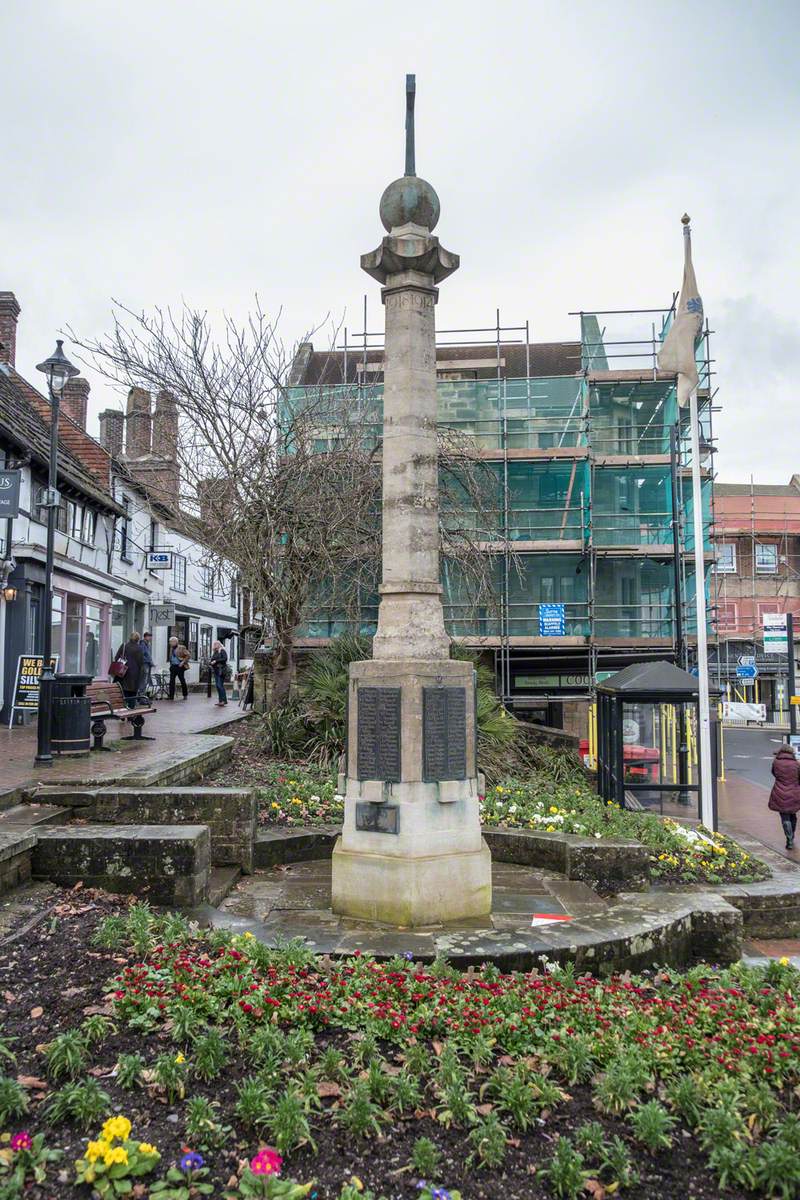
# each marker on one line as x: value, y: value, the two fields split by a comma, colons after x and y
x: 51, y: 978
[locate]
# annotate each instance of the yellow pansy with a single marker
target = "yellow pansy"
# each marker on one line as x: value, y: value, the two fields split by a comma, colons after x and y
x: 179, y: 1058
x: 784, y: 961
x: 96, y: 1150
x: 146, y: 1148
x: 275, y: 804
x: 553, y: 808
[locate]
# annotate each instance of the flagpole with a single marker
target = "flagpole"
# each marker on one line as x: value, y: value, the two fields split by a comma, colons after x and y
x: 704, y: 731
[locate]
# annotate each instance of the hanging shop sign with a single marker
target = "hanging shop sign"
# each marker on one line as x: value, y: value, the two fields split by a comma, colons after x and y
x: 775, y: 633
x: 162, y: 614
x: 552, y: 620
x: 159, y: 560
x: 9, y: 493
x: 26, y: 683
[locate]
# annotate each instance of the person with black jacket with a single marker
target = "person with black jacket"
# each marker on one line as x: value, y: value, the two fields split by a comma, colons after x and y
x: 218, y: 663
x: 134, y: 678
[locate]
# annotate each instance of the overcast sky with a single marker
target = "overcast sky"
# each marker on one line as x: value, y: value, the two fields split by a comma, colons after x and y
x: 211, y: 151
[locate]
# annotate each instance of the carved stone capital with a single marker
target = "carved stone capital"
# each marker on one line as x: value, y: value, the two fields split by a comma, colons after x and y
x: 411, y: 252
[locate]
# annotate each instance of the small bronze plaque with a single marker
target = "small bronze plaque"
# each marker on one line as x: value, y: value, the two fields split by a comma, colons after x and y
x: 444, y: 733
x: 377, y: 818
x: 379, y: 733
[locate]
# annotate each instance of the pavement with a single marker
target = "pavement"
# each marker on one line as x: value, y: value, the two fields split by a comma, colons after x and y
x: 169, y: 726
x: 743, y: 795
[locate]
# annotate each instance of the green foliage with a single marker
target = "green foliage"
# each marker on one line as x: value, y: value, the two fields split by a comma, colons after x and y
x: 204, y: 1130
x: 686, y: 1098
x: 67, y: 1055
x: 111, y: 1174
x: 359, y: 1114
x: 405, y: 1093
x: 209, y: 1055
x: 619, y: 1087
x: 169, y: 1072
x: 96, y: 1028
x: 111, y: 933
x: 488, y: 1140
x: 13, y: 1099
x: 777, y: 1168
x: 617, y: 1163
x: 186, y: 1024
x: 590, y: 1139
x: 425, y: 1158
x: 179, y: 1185
x: 84, y: 1103
x: 287, y: 1123
x: 129, y: 1071
x: 652, y: 1126
x: 565, y: 1170
x: 252, y: 1102
x: 24, y: 1167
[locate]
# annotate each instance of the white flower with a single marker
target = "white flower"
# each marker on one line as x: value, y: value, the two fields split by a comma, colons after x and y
x: 512, y: 808
x: 314, y: 798
x: 598, y: 835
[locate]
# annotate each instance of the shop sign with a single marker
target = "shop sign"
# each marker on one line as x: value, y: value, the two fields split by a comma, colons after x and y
x: 9, y: 493
x: 159, y: 560
x: 26, y: 684
x: 543, y: 682
x: 162, y: 614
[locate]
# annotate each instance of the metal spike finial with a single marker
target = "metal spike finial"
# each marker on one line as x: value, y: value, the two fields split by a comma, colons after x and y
x: 411, y: 91
x: 685, y: 219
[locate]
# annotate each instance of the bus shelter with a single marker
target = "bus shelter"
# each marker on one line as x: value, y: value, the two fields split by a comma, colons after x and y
x: 647, y: 723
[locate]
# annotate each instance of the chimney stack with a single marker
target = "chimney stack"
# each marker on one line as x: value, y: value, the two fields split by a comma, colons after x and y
x: 165, y: 426
x: 9, y: 315
x: 75, y: 399
x: 112, y: 425
x: 137, y: 433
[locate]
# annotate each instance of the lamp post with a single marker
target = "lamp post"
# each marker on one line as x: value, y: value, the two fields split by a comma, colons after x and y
x: 58, y: 369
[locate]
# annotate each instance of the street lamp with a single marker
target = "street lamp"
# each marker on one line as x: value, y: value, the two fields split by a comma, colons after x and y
x: 58, y: 369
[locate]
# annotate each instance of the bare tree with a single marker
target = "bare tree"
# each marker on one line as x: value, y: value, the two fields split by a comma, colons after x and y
x: 283, y: 484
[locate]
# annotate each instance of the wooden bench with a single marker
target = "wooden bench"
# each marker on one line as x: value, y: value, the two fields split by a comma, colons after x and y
x: 108, y: 704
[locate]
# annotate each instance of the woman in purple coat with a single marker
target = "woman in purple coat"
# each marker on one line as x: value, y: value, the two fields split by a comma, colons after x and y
x: 784, y: 798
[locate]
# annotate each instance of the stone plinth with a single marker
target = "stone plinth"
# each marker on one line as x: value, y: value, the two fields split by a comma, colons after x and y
x: 411, y: 851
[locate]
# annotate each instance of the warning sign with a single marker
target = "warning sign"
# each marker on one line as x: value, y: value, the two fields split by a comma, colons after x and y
x: 26, y: 685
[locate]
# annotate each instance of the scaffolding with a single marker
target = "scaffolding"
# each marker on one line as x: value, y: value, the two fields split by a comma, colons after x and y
x: 586, y: 511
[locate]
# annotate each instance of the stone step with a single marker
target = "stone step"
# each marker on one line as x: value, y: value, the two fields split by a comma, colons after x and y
x: 26, y: 816
x: 16, y: 846
x: 166, y: 864
x: 221, y: 881
x: 278, y: 846
x: 229, y: 813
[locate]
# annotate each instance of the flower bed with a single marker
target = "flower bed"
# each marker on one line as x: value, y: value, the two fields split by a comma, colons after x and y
x: 678, y: 854
x: 216, y: 1066
x: 292, y: 795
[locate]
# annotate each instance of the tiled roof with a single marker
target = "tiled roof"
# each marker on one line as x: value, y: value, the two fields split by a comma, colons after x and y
x: 546, y: 359
x: 24, y: 421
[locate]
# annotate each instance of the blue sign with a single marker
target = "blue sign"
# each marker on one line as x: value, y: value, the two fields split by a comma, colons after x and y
x: 746, y: 672
x: 552, y: 620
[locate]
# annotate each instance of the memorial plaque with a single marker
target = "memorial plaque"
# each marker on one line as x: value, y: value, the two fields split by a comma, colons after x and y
x: 379, y: 733
x: 444, y: 733
x: 377, y: 818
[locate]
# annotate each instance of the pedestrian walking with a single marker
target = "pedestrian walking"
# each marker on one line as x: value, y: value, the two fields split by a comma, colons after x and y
x: 218, y: 662
x: 147, y: 655
x: 784, y: 798
x: 178, y: 659
x: 131, y: 653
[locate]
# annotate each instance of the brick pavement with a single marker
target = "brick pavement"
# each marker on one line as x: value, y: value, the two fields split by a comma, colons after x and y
x: 742, y: 805
x: 171, y: 725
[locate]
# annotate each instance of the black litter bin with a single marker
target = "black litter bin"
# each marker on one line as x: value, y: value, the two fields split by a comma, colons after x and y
x: 70, y: 733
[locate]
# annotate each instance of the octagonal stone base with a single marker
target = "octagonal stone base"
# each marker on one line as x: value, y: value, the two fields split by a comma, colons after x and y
x: 410, y: 892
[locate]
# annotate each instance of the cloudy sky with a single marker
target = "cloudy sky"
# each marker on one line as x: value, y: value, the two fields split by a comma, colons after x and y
x: 160, y: 151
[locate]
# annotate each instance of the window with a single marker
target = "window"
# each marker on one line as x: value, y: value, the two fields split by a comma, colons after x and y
x: 91, y: 641
x: 766, y: 558
x: 57, y: 623
x: 72, y: 641
x: 153, y: 535
x: 124, y: 531
x: 207, y: 583
x: 234, y: 596
x: 192, y: 643
x: 205, y: 642
x: 727, y: 616
x: 179, y: 573
x: 726, y: 558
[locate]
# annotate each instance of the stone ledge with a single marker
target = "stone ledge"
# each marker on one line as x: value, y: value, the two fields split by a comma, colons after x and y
x: 587, y: 860
x: 16, y: 842
x: 167, y: 864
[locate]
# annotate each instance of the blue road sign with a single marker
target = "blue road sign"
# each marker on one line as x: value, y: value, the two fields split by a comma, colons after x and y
x: 552, y: 620
x: 746, y: 671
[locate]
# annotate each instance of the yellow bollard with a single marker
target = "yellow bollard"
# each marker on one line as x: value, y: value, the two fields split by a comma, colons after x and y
x: 674, y: 725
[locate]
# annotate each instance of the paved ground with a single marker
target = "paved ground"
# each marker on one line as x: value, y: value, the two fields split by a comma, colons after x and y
x: 744, y: 794
x: 169, y: 725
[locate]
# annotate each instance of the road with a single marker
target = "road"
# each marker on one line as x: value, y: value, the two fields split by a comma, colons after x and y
x: 749, y: 752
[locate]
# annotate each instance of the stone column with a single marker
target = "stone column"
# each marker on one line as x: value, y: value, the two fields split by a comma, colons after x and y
x: 410, y: 619
x: 411, y: 851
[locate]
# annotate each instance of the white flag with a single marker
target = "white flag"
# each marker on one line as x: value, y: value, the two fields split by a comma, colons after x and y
x: 677, y: 353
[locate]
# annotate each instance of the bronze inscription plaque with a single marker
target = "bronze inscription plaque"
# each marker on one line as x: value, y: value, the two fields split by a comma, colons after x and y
x: 444, y: 733
x: 377, y: 818
x: 379, y: 733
